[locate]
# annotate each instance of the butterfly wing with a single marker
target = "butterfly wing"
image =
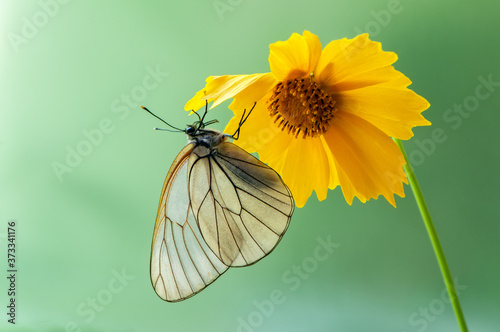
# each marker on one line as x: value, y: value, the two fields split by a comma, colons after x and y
x: 242, y: 206
x: 181, y: 262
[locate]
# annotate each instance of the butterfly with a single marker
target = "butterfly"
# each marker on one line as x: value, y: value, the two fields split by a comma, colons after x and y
x: 220, y: 207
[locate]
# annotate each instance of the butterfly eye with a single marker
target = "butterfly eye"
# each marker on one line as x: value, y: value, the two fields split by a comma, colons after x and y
x: 190, y: 130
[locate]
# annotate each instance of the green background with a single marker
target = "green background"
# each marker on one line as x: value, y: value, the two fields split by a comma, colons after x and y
x: 77, y: 232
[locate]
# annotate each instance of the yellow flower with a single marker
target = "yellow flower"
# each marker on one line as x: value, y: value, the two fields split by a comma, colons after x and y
x: 325, y: 117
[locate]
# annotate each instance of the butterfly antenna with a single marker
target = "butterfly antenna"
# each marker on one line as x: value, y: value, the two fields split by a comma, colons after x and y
x: 244, y: 118
x: 162, y: 129
x: 165, y: 122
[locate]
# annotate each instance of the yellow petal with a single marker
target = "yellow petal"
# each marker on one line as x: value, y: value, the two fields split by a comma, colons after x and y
x: 254, y: 92
x: 334, y: 180
x: 314, y: 46
x: 369, y: 162
x: 343, y: 58
x: 391, y: 109
x: 296, y: 57
x: 275, y: 151
x: 198, y: 100
x: 303, y: 165
x: 386, y: 76
x: 221, y: 88
x: 360, y: 78
x: 224, y: 87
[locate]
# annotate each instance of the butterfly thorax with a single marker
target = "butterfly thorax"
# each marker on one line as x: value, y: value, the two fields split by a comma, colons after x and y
x: 209, y: 138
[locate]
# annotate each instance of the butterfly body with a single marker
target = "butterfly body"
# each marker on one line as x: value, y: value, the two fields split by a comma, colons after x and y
x: 209, y: 138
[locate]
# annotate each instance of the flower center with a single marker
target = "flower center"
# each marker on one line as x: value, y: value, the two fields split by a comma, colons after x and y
x: 301, y: 106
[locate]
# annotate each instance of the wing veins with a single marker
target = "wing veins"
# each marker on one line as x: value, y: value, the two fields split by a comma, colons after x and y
x: 179, y: 256
x: 187, y: 249
x: 163, y: 243
x: 257, y: 243
x: 238, y: 214
x: 215, y: 210
x: 205, y: 255
x: 223, y: 207
x: 257, y: 198
x: 209, y: 191
x: 162, y: 281
x: 249, y: 183
x: 225, y: 157
x: 265, y: 203
x: 232, y: 234
x: 262, y: 223
x: 169, y: 259
x: 243, y: 171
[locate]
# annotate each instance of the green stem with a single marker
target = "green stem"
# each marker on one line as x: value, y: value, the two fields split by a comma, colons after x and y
x: 445, y: 271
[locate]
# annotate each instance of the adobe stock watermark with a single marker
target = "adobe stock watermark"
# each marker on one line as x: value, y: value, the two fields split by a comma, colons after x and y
x: 120, y: 107
x: 454, y: 116
x: 31, y: 26
x: 89, y: 308
x: 223, y: 6
x: 381, y: 18
x: 421, y: 318
x: 292, y: 280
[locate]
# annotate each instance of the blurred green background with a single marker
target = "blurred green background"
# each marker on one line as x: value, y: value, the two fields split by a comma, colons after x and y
x: 70, y: 68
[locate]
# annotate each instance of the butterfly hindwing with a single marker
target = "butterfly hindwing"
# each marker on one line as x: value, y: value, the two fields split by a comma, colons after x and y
x: 241, y: 205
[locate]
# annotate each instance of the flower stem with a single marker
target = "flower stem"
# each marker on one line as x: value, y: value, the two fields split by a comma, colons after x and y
x: 445, y: 271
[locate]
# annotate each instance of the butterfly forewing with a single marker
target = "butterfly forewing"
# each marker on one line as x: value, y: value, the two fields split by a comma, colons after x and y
x: 242, y: 206
x: 181, y: 262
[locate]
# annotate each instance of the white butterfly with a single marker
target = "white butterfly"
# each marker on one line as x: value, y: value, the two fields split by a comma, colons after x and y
x: 220, y: 207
